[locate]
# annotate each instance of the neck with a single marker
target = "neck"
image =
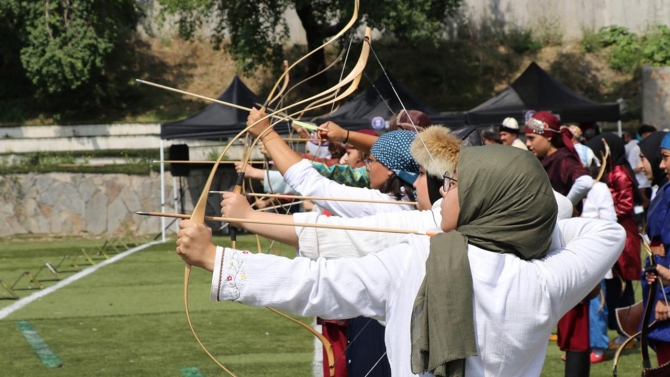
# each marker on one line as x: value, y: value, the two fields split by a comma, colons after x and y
x: 552, y: 150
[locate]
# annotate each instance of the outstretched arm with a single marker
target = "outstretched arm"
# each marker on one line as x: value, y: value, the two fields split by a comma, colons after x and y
x: 360, y: 141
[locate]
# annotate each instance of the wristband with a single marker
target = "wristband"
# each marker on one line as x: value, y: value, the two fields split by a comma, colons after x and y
x: 346, y: 138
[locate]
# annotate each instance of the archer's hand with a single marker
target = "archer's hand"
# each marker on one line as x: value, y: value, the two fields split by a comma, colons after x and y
x: 661, y: 271
x: 250, y: 171
x: 334, y: 133
x: 235, y: 206
x: 254, y: 116
x: 194, y: 245
x: 661, y: 311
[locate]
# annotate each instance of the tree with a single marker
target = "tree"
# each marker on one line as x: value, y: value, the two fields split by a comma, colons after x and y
x: 66, y: 45
x: 257, y: 29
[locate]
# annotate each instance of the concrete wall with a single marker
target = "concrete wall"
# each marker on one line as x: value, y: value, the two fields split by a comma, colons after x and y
x: 567, y: 17
x: 656, y: 96
x: 86, y: 203
x: 570, y: 17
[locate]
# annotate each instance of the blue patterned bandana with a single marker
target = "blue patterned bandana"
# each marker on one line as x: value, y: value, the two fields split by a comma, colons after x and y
x: 393, y: 151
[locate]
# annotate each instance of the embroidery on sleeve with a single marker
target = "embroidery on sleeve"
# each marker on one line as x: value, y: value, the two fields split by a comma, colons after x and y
x: 236, y: 279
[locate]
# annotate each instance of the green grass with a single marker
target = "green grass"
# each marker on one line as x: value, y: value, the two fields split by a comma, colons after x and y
x: 127, y: 319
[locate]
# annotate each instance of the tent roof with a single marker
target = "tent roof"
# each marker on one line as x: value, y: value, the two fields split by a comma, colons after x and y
x: 535, y: 89
x: 215, y: 121
x: 375, y: 101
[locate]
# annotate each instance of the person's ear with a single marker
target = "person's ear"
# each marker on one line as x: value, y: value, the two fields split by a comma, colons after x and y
x: 389, y: 173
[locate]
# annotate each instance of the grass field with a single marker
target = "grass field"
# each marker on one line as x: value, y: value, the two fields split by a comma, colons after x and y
x: 127, y: 319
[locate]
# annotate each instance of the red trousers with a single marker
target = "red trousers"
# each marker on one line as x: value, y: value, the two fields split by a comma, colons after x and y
x: 573, y: 329
x: 662, y: 352
x: 336, y: 333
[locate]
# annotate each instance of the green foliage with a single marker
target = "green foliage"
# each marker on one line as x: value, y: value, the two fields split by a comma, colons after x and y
x: 137, y: 162
x: 522, y: 40
x: 656, y: 47
x: 258, y: 30
x: 65, y: 52
x: 627, y: 51
x: 591, y: 40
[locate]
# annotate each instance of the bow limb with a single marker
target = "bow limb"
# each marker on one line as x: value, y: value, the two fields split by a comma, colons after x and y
x: 329, y: 66
x: 352, y: 21
x: 604, y: 163
x: 326, y: 344
x: 284, y: 86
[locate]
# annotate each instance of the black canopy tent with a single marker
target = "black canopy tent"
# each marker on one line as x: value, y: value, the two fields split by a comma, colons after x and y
x: 535, y: 89
x: 379, y: 100
x: 215, y: 121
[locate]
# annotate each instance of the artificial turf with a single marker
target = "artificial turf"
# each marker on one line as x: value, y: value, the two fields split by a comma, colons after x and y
x: 127, y: 319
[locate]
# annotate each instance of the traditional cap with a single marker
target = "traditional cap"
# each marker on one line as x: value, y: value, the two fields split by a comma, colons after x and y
x: 316, y: 149
x: 576, y: 131
x: 405, y: 119
x: 541, y: 122
x: 393, y: 151
x: 665, y: 143
x: 440, y: 153
x: 544, y: 122
x: 510, y: 125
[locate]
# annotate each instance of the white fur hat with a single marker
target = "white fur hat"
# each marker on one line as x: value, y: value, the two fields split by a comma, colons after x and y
x: 441, y: 145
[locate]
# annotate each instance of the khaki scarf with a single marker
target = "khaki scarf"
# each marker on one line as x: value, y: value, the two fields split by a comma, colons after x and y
x: 507, y: 206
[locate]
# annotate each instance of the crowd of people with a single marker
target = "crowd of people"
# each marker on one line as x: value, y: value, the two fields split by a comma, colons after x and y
x: 515, y: 241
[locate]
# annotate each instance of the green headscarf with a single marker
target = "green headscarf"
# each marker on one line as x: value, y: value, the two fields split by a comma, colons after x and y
x: 507, y: 206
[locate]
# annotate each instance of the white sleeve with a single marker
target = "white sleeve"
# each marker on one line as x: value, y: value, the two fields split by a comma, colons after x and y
x: 333, y: 289
x: 580, y: 188
x: 335, y: 243
x: 303, y: 178
x: 275, y: 183
x: 584, y: 251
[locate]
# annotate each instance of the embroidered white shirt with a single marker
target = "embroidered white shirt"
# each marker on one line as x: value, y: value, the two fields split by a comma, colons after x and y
x: 516, y: 303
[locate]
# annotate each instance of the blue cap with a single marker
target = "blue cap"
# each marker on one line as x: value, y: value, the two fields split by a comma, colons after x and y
x: 665, y: 143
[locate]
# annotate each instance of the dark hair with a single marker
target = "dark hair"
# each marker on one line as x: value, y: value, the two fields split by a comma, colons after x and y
x: 395, y: 186
x: 336, y: 150
x: 557, y: 141
x: 646, y: 128
x: 490, y: 135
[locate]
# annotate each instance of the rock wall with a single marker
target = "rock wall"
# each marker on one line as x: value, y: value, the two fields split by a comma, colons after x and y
x: 66, y: 203
x: 656, y: 96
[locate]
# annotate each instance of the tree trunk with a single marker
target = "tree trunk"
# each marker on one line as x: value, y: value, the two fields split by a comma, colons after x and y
x: 315, y: 37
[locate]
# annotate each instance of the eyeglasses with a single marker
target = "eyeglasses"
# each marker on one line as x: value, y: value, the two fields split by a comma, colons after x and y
x: 449, y: 182
x: 368, y: 162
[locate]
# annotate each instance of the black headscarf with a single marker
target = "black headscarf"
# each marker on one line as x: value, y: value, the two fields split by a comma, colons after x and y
x: 617, y: 157
x: 651, y: 149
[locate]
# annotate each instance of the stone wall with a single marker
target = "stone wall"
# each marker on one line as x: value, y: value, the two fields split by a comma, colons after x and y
x: 656, y: 96
x: 65, y: 203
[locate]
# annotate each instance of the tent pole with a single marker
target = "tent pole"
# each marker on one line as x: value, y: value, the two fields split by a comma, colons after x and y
x: 618, y: 126
x: 162, y: 155
x: 176, y: 207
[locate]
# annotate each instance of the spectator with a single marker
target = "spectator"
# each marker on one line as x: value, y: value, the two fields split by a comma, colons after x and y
x: 509, y: 134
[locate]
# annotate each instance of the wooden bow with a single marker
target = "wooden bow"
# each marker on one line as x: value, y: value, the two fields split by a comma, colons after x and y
x: 199, y: 210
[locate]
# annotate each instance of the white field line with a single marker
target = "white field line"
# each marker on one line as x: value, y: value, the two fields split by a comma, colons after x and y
x: 21, y: 303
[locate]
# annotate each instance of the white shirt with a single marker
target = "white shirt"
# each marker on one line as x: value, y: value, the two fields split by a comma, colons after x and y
x: 599, y: 204
x: 303, y: 178
x: 516, y: 303
x: 519, y: 144
x: 330, y: 243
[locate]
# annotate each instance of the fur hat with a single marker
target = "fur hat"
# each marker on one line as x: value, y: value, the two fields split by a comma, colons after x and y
x: 441, y: 145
